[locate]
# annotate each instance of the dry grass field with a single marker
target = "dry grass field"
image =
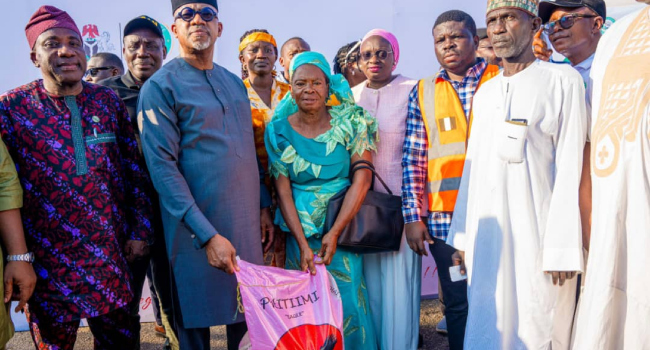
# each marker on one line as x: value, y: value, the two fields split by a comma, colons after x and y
x: 429, y: 317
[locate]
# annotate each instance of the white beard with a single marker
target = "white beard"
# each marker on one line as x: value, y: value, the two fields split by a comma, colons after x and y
x: 201, y: 45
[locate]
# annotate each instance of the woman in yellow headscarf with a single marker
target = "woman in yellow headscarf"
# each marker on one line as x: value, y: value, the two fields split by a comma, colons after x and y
x: 258, y: 52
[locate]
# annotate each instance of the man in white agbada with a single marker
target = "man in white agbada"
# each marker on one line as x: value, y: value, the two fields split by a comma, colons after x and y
x: 517, y: 218
x: 615, y: 304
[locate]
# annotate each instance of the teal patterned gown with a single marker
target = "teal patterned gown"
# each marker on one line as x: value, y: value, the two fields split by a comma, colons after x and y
x: 318, y: 168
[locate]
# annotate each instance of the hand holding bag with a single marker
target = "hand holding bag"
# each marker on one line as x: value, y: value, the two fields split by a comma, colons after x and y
x: 378, y: 225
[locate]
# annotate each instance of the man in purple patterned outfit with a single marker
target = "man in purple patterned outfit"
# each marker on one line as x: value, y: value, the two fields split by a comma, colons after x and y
x: 86, y: 212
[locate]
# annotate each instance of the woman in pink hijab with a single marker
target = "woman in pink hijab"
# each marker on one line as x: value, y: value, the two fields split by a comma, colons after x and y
x: 393, y: 279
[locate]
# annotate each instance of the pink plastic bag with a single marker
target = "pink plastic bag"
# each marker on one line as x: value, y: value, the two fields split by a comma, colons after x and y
x: 291, y: 310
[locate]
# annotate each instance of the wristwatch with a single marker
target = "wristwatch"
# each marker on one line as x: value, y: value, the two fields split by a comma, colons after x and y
x: 27, y: 257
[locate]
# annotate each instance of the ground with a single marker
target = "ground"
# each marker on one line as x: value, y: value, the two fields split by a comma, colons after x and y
x: 429, y: 317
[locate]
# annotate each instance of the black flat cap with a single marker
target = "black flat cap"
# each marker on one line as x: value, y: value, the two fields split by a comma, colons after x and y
x: 546, y: 8
x: 178, y: 3
x: 145, y: 22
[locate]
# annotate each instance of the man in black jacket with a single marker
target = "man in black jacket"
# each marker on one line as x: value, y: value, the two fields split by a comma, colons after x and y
x: 144, y: 51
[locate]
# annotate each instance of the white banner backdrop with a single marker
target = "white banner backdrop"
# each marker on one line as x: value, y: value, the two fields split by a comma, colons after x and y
x: 326, y: 26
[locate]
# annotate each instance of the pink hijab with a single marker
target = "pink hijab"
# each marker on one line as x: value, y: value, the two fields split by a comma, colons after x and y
x: 389, y: 37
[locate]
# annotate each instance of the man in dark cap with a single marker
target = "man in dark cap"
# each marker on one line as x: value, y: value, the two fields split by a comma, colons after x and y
x: 86, y: 211
x: 144, y: 51
x: 485, y: 49
x: 574, y: 29
x: 196, y: 131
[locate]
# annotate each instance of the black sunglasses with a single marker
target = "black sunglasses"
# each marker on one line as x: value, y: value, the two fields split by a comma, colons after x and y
x: 187, y: 14
x: 565, y: 22
x: 381, y: 54
x: 93, y: 71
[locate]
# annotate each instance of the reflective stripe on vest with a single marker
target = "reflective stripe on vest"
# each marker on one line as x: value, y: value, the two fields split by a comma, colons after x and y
x: 447, y: 133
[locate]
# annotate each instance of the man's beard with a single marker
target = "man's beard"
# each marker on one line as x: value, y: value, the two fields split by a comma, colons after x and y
x: 515, y: 49
x: 200, y: 45
x: 506, y: 52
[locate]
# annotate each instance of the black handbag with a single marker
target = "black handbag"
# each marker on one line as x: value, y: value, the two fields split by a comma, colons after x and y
x: 378, y: 225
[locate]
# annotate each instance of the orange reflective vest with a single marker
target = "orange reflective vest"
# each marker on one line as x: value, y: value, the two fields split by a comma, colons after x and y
x: 447, y: 133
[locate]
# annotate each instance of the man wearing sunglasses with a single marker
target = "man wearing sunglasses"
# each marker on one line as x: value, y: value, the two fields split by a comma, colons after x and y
x: 574, y: 29
x: 103, y: 66
x: 197, y: 137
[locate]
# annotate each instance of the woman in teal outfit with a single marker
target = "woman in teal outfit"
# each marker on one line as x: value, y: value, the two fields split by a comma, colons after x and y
x: 316, y: 132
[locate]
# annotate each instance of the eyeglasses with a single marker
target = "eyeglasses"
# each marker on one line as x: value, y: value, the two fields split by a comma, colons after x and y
x: 187, y: 14
x: 381, y: 54
x: 93, y: 71
x: 565, y: 22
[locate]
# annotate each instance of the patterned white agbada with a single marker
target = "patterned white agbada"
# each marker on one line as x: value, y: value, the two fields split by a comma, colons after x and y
x: 517, y: 212
x: 615, y: 305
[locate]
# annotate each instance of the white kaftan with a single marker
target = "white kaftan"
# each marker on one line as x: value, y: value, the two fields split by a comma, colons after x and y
x: 393, y: 278
x: 516, y: 220
x: 615, y: 304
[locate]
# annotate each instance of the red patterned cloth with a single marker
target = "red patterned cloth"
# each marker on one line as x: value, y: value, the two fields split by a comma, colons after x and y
x: 110, y: 331
x: 85, y: 195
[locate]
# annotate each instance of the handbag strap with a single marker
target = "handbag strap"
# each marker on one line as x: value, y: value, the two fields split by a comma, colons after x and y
x: 368, y: 163
x: 370, y: 167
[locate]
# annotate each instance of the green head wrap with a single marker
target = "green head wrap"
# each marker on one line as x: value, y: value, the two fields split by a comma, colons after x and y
x: 352, y: 126
x: 340, y: 92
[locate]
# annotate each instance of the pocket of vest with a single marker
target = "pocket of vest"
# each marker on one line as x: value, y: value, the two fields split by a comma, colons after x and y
x: 512, y: 141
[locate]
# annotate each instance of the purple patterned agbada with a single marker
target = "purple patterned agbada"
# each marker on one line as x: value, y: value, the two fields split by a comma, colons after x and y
x: 84, y: 195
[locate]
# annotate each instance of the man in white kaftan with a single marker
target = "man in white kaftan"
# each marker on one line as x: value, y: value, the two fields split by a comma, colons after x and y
x: 615, y: 304
x: 517, y: 216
